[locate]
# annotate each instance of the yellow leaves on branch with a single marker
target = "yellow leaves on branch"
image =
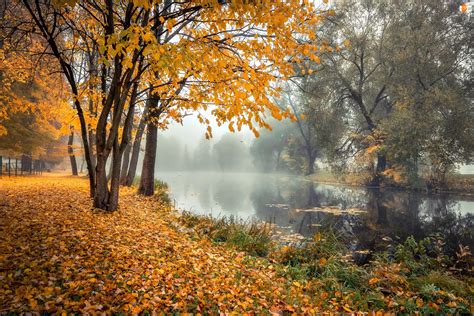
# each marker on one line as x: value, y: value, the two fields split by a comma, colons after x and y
x: 31, y: 87
x: 372, y: 149
x: 231, y: 58
x: 395, y: 174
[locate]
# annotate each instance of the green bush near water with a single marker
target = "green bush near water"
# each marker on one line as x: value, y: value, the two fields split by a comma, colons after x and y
x: 411, y: 277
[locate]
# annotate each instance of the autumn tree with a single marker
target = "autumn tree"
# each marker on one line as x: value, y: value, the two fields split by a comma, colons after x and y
x: 190, y: 55
x: 34, y: 112
x: 431, y: 90
x: 391, y: 66
x: 223, y: 72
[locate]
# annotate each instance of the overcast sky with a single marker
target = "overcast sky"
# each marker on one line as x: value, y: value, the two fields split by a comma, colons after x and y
x: 191, y: 132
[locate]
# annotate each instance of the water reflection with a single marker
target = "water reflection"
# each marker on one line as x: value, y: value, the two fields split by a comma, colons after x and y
x: 295, y: 205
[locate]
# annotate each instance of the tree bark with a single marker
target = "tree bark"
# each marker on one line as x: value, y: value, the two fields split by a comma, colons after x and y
x: 132, y: 169
x: 147, y: 180
x: 101, y: 195
x: 70, y: 152
x: 93, y: 73
x: 311, y: 159
x: 125, y: 147
x: 115, y: 177
x: 125, y: 164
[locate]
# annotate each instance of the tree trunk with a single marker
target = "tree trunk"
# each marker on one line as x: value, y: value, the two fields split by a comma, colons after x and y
x: 91, y: 147
x: 147, y: 180
x: 70, y: 151
x: 311, y: 160
x: 125, y: 147
x: 93, y: 73
x: 101, y: 195
x: 115, y: 178
x: 132, y: 169
x: 125, y: 164
x: 379, y: 169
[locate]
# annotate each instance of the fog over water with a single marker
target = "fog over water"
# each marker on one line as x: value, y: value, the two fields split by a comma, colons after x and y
x: 218, y: 177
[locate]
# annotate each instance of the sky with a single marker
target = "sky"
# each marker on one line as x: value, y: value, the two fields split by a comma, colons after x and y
x: 191, y: 132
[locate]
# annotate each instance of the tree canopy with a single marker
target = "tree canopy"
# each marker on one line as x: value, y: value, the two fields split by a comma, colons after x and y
x: 201, y: 56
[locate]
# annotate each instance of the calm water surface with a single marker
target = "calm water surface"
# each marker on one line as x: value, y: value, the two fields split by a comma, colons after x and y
x: 299, y: 206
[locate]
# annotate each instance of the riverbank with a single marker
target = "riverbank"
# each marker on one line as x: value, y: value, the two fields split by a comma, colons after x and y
x: 460, y: 184
x: 60, y: 255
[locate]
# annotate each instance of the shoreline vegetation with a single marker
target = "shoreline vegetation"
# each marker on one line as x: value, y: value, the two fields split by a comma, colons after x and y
x: 59, y: 255
x: 458, y: 184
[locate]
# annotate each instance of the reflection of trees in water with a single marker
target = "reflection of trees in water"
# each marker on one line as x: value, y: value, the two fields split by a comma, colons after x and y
x: 305, y: 196
x: 398, y: 214
x: 438, y: 206
x: 401, y: 214
x: 283, y: 203
x: 267, y: 201
x: 341, y: 196
x: 276, y: 199
x: 389, y: 212
x: 441, y: 215
x: 310, y: 223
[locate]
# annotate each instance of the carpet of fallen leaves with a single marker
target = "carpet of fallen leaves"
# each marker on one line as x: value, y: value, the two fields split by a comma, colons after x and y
x: 57, y: 254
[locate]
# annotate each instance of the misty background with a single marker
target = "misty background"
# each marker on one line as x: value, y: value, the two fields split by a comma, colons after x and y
x: 183, y: 147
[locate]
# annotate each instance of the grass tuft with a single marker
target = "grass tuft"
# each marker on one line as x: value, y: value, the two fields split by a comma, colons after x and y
x: 250, y: 236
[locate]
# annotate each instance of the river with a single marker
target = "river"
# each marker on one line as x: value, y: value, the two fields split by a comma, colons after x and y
x: 368, y: 217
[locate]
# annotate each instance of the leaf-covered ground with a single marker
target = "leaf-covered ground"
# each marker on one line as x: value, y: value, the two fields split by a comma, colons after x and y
x: 59, y: 255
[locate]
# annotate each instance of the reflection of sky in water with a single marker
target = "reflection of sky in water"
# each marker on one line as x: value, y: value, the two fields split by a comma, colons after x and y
x: 282, y: 199
x: 239, y: 195
x: 466, y: 207
x: 211, y: 193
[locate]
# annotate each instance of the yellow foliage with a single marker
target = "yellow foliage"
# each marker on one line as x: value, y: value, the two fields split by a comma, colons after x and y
x: 372, y: 149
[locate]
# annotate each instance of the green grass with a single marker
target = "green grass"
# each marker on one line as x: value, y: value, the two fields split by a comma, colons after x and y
x: 250, y: 236
x: 436, y: 280
x: 416, y: 276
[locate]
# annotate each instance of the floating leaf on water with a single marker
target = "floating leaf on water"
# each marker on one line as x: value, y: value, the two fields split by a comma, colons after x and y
x: 333, y: 210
